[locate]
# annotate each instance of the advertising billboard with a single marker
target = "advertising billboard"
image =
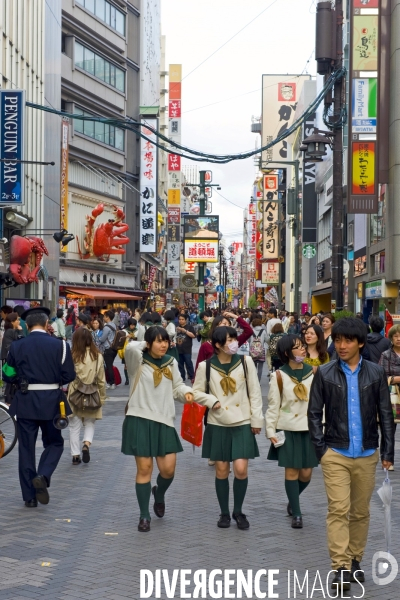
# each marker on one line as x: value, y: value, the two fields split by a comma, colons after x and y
x: 12, y: 111
x: 148, y: 189
x: 201, y: 236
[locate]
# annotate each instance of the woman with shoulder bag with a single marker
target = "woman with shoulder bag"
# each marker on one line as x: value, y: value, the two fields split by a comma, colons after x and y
x: 148, y: 430
x: 228, y: 385
x: 86, y: 394
x: 390, y: 361
x: 286, y: 422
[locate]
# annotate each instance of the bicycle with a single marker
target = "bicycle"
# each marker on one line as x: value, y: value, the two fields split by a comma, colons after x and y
x: 8, y: 431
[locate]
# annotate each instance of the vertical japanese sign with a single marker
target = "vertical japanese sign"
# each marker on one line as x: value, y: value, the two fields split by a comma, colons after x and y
x: 270, y: 231
x: 148, y: 189
x: 364, y: 93
x: 280, y: 94
x: 64, y: 178
x: 174, y: 174
x: 12, y: 111
x: 251, y: 229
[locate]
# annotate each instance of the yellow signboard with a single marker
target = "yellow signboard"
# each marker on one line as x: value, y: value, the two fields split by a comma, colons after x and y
x: 174, y: 197
x: 365, y: 43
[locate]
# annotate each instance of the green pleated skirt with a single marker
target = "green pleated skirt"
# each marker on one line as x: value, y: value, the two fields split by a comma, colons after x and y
x: 296, y: 453
x: 142, y: 437
x: 173, y: 352
x: 229, y: 443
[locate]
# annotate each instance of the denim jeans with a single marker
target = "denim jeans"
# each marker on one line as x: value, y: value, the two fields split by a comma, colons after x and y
x: 186, y: 359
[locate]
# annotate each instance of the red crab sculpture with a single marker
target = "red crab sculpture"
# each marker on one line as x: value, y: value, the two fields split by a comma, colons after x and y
x: 26, y: 254
x: 105, y: 239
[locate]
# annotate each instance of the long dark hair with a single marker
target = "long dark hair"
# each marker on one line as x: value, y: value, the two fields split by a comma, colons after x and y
x: 10, y: 319
x: 321, y: 343
x: 83, y: 340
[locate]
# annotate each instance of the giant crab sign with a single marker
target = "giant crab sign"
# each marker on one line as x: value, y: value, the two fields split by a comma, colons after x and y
x: 105, y: 239
x: 26, y: 254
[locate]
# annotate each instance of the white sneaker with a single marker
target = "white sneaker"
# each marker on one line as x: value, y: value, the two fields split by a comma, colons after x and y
x: 391, y: 468
x: 211, y: 463
x: 108, y: 386
x: 112, y: 386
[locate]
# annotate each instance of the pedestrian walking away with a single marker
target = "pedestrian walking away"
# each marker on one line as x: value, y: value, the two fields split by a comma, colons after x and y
x: 148, y: 430
x: 90, y: 382
x: 40, y: 363
x: 376, y: 342
x: 348, y: 397
x: 228, y: 385
x: 184, y: 339
x: 169, y: 317
x: 106, y: 341
x: 287, y: 413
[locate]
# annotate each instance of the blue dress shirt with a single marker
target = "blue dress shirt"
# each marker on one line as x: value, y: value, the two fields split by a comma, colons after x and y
x: 355, y: 449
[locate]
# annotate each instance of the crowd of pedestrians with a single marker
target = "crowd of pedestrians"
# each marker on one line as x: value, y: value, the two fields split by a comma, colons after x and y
x: 327, y: 394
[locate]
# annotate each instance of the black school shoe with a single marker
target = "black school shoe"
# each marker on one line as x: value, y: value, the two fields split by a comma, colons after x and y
x: 144, y: 525
x: 40, y: 484
x: 241, y: 520
x: 224, y: 521
x: 158, y: 507
x: 342, y: 579
x: 297, y: 522
x: 85, y: 454
x: 357, y: 571
x: 31, y: 503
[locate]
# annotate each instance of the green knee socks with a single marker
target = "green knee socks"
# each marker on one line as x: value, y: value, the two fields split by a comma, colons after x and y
x: 143, y: 491
x: 222, y: 489
x: 239, y: 492
x: 293, y: 494
x: 162, y: 486
x: 303, y: 485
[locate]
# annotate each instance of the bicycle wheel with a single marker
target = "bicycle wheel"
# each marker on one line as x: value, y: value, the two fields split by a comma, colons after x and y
x: 8, y: 431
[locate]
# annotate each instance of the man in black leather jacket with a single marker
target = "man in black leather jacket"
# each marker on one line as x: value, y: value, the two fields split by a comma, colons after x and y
x: 354, y: 394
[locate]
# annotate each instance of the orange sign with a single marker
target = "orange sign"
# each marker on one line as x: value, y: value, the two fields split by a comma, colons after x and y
x: 174, y: 197
x: 363, y: 180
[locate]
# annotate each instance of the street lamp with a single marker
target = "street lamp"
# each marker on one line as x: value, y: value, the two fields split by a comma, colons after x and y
x: 314, y: 146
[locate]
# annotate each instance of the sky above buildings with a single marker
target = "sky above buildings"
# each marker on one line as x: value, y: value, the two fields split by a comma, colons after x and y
x: 221, y: 86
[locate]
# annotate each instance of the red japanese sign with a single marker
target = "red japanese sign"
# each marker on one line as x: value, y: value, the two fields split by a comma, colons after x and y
x: 174, y: 108
x: 174, y: 162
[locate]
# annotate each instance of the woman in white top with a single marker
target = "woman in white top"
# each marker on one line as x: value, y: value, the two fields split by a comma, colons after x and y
x: 288, y: 397
x: 169, y: 317
x: 148, y: 431
x: 233, y: 395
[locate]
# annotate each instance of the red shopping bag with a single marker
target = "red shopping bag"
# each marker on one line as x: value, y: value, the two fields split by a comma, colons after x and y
x: 192, y: 423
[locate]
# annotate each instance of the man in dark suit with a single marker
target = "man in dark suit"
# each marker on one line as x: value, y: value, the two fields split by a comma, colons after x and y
x: 39, y: 363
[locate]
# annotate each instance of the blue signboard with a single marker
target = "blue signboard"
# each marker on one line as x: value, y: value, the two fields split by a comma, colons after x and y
x: 12, y: 110
x: 220, y: 288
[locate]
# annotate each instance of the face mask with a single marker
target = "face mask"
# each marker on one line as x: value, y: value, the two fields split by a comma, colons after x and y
x: 231, y: 348
x: 299, y: 359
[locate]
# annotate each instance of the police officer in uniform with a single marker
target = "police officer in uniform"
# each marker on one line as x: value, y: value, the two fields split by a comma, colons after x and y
x: 39, y: 364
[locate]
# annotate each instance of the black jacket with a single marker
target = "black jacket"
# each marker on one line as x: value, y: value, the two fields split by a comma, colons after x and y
x: 377, y: 344
x: 329, y: 391
x: 10, y: 335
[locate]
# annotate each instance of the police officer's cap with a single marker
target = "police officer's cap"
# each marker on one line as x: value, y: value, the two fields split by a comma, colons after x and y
x: 34, y: 311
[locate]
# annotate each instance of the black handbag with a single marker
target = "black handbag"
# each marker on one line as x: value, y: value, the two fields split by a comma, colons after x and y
x: 86, y: 396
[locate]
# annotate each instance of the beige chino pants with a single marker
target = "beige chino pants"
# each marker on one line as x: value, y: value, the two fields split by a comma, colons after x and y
x: 349, y: 483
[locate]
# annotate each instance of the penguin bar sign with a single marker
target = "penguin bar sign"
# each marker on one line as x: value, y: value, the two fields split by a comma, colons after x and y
x: 12, y: 108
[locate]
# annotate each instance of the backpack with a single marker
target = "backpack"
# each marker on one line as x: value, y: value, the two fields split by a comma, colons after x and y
x: 273, y: 343
x: 86, y: 395
x: 119, y: 339
x: 257, y: 351
x: 208, y: 373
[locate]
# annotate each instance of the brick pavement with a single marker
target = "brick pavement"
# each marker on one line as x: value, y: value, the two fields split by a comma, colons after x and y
x: 88, y: 501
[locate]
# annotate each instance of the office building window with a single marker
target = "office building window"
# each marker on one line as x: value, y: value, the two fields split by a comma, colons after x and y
x: 99, y: 67
x: 106, y: 12
x: 102, y: 132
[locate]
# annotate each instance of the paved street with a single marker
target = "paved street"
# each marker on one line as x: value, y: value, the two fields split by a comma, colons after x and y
x: 85, y: 543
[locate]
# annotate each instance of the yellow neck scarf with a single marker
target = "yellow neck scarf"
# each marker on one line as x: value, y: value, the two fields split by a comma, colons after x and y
x: 228, y: 384
x: 159, y: 372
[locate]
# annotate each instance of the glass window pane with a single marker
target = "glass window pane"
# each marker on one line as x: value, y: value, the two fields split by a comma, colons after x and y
x: 99, y: 132
x: 112, y: 19
x: 78, y: 124
x: 120, y: 80
x: 99, y: 67
x: 100, y: 9
x: 88, y: 128
x: 119, y: 138
x: 89, y: 5
x: 120, y: 22
x: 88, y: 63
x: 106, y: 72
x: 106, y: 133
x: 79, y: 55
x: 112, y: 136
x: 107, y: 17
x: 112, y: 75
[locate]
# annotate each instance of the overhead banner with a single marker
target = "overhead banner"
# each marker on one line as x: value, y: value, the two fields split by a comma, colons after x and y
x: 148, y: 189
x: 270, y: 273
x: 201, y: 237
x: 64, y: 178
x: 12, y: 111
x: 251, y: 229
x: 363, y: 123
x: 174, y: 174
x: 280, y: 94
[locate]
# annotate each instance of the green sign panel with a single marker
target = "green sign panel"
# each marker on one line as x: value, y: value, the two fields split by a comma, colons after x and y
x: 309, y: 251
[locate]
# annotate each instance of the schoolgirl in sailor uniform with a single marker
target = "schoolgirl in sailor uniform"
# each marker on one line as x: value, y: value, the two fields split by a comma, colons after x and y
x: 148, y: 430
x: 235, y: 416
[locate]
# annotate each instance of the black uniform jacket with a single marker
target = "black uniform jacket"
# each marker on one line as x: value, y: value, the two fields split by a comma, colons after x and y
x: 329, y: 391
x: 37, y: 358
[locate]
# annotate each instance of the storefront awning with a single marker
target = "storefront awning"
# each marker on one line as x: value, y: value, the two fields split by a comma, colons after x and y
x: 100, y: 294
